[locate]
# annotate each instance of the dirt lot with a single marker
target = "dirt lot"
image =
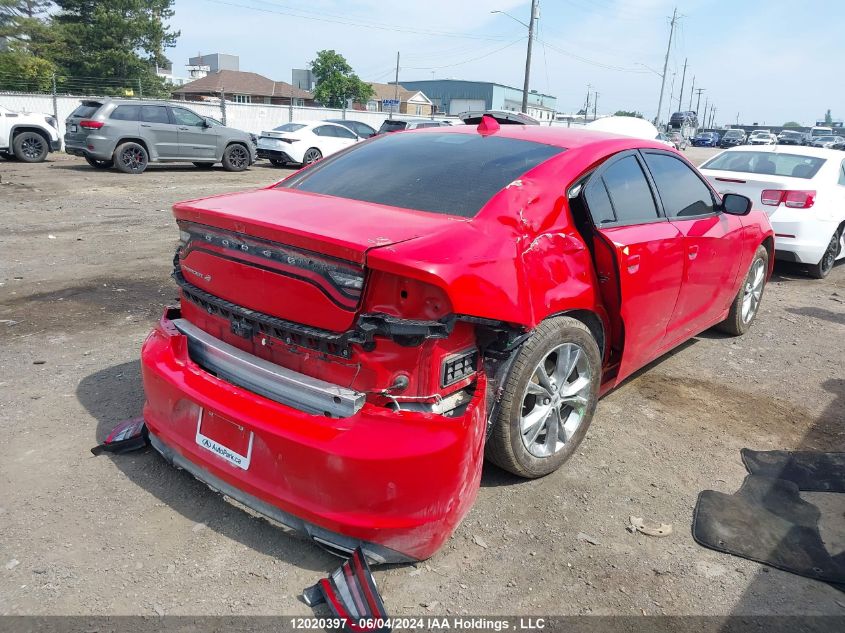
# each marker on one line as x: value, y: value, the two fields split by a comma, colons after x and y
x: 85, y: 258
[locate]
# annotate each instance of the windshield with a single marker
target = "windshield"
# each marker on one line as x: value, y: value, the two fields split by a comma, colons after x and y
x: 821, y: 131
x: 453, y: 174
x: 768, y: 163
x: 733, y: 134
x: 825, y: 138
x: 791, y: 134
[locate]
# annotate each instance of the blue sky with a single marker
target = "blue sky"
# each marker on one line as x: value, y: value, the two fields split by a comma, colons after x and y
x: 766, y: 61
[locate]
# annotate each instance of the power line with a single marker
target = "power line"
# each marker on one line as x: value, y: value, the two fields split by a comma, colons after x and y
x: 349, y: 21
x: 591, y: 61
x: 466, y: 61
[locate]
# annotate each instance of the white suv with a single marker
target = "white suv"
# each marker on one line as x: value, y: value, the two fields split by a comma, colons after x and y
x: 29, y: 136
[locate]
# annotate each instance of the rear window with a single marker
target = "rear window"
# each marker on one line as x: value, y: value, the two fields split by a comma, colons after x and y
x: 392, y: 126
x: 289, y: 127
x: 768, y: 163
x: 85, y: 110
x: 453, y: 174
x: 733, y: 134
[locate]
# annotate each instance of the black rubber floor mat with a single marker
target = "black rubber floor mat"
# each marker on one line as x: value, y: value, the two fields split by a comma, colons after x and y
x: 810, y: 470
x: 768, y: 522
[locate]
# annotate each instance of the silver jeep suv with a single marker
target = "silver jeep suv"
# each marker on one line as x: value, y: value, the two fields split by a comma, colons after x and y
x: 131, y: 134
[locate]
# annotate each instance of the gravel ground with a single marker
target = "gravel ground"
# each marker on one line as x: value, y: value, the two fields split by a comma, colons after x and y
x: 85, y: 257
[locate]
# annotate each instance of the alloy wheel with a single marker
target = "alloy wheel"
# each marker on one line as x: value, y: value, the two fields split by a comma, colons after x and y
x: 830, y: 254
x: 32, y: 147
x: 753, y: 290
x: 555, y: 400
x: 133, y: 158
x: 238, y: 157
x: 311, y: 156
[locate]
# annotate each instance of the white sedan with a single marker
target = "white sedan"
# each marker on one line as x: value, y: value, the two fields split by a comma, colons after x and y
x: 802, y: 189
x: 762, y: 137
x: 304, y: 142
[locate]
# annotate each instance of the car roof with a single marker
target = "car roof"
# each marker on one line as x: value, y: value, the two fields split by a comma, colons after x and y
x: 564, y: 137
x: 801, y: 150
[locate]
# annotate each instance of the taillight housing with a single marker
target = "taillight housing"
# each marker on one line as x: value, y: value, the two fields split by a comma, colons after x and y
x: 794, y: 199
x: 90, y: 124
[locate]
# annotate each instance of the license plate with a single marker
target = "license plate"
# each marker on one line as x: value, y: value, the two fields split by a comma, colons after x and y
x: 73, y: 128
x: 269, y: 143
x: 224, y: 438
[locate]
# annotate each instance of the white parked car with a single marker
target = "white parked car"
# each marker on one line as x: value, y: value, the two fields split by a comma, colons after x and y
x: 762, y: 137
x: 28, y: 136
x: 304, y: 142
x: 802, y: 189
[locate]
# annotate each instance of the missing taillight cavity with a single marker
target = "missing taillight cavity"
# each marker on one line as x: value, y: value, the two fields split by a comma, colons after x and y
x: 794, y: 199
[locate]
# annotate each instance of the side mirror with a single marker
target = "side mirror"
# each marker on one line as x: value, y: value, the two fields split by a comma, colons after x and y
x: 735, y: 204
x: 206, y: 124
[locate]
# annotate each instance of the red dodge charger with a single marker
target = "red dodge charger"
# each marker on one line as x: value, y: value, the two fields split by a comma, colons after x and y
x: 352, y: 341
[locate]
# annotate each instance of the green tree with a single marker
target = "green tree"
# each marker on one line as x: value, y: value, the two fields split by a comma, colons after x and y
x: 792, y: 124
x: 336, y: 82
x: 25, y: 38
x: 113, y: 45
x: 828, y: 119
x: 639, y: 115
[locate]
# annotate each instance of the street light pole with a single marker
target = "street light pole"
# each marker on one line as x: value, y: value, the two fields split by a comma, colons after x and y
x: 530, y: 26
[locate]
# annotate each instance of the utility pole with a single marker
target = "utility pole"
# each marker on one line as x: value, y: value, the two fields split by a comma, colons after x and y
x: 531, y: 21
x: 706, y: 99
x: 737, y: 119
x: 595, y: 106
x: 691, y: 90
x: 683, y: 80
x: 712, y: 117
x: 395, y: 88
x: 698, y: 103
x: 665, y: 66
x: 671, y: 94
x: 587, y: 104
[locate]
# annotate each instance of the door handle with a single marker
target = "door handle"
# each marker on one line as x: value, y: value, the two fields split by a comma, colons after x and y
x: 145, y: 125
x: 633, y: 263
x: 692, y: 251
x: 184, y: 129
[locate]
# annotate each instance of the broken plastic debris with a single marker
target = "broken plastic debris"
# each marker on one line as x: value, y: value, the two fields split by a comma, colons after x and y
x: 587, y: 538
x: 351, y: 594
x: 479, y: 541
x: 649, y: 528
x: 129, y: 435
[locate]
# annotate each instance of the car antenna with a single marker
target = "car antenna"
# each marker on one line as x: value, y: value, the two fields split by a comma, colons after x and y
x: 487, y: 125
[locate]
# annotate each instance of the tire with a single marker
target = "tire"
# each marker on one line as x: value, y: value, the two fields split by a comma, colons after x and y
x: 746, y: 304
x: 204, y: 165
x: 30, y: 147
x: 529, y: 452
x: 312, y: 155
x: 236, y: 157
x: 99, y: 164
x: 825, y: 265
x: 131, y: 158
x: 275, y: 162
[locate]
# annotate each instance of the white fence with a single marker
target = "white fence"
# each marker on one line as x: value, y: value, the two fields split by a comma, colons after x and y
x: 250, y: 117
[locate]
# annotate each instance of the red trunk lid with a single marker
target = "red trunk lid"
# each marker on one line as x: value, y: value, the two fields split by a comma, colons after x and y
x: 293, y: 255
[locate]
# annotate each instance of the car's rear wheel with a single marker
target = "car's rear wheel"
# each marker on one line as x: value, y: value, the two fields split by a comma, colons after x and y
x: 825, y: 265
x: 30, y: 147
x: 203, y: 165
x: 235, y: 158
x: 131, y: 158
x: 747, y: 301
x: 99, y: 164
x: 312, y: 155
x: 277, y: 163
x: 548, y: 399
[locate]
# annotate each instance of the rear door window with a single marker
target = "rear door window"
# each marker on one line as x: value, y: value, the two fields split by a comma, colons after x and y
x: 126, y: 113
x: 342, y: 132
x: 154, y: 114
x: 681, y: 191
x: 324, y: 130
x: 629, y: 192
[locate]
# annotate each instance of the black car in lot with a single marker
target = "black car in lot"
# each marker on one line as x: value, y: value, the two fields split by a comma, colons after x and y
x: 732, y: 138
x: 788, y: 137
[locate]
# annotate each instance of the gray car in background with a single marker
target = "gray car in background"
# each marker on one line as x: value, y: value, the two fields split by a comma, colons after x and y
x: 130, y: 134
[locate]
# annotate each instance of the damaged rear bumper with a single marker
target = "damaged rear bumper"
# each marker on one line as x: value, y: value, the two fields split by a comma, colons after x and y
x: 397, y: 483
